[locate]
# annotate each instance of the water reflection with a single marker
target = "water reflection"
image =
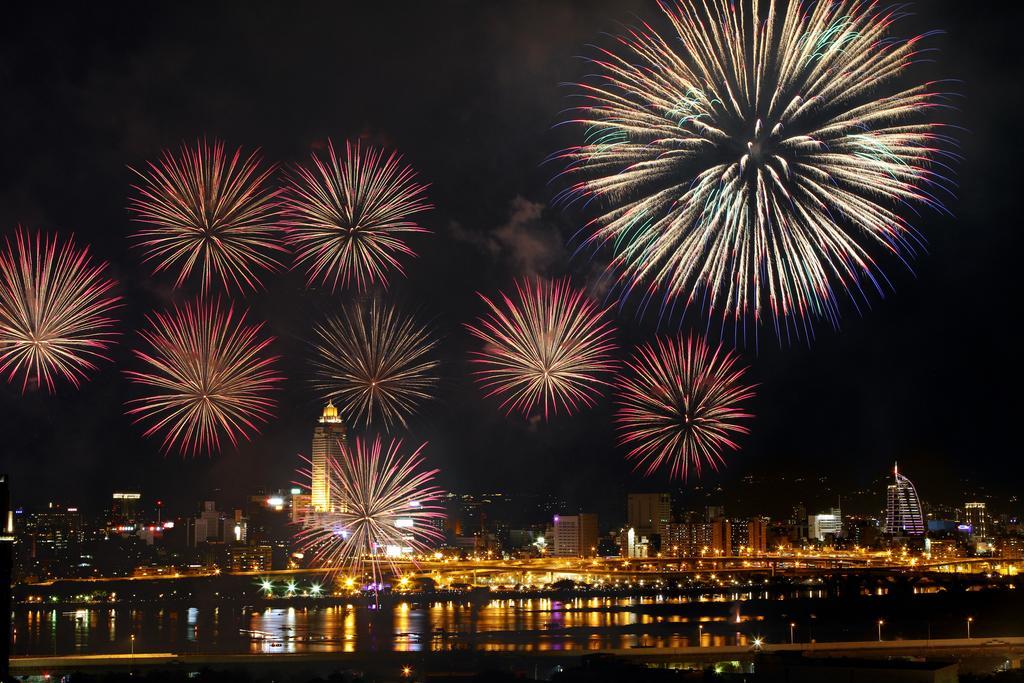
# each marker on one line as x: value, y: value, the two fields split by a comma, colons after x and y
x: 527, y: 625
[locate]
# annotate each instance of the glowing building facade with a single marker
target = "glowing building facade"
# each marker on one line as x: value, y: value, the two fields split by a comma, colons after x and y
x: 327, y: 439
x: 903, y: 516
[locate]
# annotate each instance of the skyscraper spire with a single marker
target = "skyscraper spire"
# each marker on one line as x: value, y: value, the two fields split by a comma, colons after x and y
x: 328, y: 436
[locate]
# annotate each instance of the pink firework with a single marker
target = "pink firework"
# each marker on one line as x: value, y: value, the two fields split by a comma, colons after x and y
x: 548, y: 346
x: 347, y: 218
x: 207, y: 376
x: 55, y: 306
x: 680, y: 405
x: 377, y: 502
x: 209, y: 215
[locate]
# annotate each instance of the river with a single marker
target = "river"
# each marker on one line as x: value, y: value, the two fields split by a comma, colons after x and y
x: 523, y: 625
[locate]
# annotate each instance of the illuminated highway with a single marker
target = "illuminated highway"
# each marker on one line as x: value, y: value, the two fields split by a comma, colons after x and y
x: 539, y: 572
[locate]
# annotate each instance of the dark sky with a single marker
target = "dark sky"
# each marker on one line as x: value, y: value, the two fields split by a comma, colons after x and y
x: 469, y: 92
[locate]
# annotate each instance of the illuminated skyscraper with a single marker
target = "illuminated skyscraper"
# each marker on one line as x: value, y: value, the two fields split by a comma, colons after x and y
x: 327, y: 438
x: 903, y: 516
x: 976, y: 519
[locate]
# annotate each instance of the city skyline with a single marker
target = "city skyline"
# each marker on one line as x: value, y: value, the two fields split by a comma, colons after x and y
x: 536, y: 341
x: 887, y: 386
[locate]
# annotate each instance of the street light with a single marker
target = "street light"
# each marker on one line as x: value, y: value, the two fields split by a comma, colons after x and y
x: 880, y: 622
x: 791, y: 627
x: 969, y: 620
x: 700, y: 635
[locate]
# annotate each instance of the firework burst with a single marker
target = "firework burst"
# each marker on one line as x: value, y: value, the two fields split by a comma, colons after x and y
x: 549, y: 346
x: 206, y: 376
x: 680, y: 405
x: 347, y: 218
x: 55, y: 306
x: 374, y: 362
x: 753, y: 161
x: 381, y: 502
x: 208, y: 214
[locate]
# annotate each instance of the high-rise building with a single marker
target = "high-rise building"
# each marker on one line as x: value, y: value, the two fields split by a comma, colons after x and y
x: 688, y: 539
x: 588, y: 534
x: 903, y: 515
x: 799, y: 522
x: 757, y: 535
x: 124, y: 509
x: 721, y: 536
x: 250, y: 558
x: 649, y: 513
x: 328, y: 436
x: 206, y: 527
x: 567, y: 536
x: 825, y: 525
x: 575, y: 535
x: 302, y: 503
x: 976, y: 518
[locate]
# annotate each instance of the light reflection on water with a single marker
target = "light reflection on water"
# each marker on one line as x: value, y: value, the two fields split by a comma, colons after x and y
x: 532, y: 624
x: 525, y: 625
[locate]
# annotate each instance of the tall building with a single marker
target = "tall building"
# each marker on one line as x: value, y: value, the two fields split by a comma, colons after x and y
x: 976, y: 518
x: 649, y: 513
x: 721, y: 536
x: 206, y: 527
x: 903, y: 515
x: 567, y: 536
x: 327, y: 438
x: 688, y: 539
x: 575, y: 535
x: 589, y: 536
x: 825, y: 525
x: 124, y: 508
x: 757, y: 535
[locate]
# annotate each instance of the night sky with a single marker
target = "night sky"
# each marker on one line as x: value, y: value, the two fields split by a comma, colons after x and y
x: 469, y: 92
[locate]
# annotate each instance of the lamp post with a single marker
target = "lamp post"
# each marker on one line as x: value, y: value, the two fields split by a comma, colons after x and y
x: 700, y: 635
x: 969, y: 620
x: 880, y: 623
x: 791, y: 627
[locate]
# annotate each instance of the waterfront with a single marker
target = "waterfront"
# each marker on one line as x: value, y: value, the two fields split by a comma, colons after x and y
x: 513, y: 625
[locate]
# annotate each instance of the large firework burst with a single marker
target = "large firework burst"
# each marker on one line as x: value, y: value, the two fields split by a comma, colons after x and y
x: 754, y: 160
x: 680, y: 405
x: 348, y: 217
x: 209, y: 214
x: 549, y: 346
x: 382, y: 506
x: 374, y: 362
x: 55, y: 306
x: 206, y: 376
